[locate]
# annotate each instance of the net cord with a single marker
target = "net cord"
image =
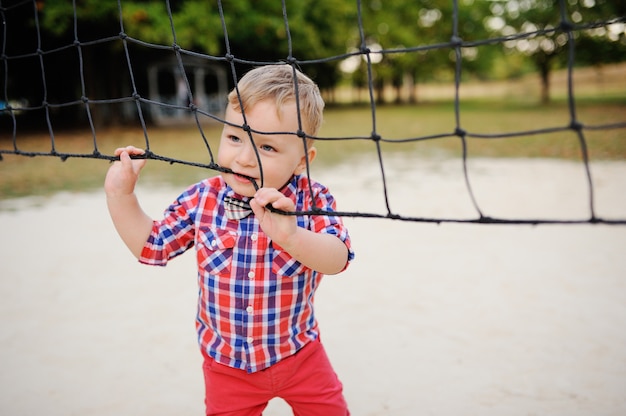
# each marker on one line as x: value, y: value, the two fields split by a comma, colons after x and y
x: 456, y: 44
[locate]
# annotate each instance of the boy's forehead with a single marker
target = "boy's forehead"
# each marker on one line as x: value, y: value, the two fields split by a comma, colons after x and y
x: 231, y: 113
x: 264, y: 112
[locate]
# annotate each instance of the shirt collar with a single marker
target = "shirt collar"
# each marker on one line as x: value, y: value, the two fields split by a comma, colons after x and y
x: 290, y: 188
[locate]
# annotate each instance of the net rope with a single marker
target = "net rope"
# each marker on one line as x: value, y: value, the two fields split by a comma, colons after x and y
x: 456, y: 44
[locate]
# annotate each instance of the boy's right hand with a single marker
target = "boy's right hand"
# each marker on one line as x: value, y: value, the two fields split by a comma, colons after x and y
x: 123, y: 174
x: 131, y: 222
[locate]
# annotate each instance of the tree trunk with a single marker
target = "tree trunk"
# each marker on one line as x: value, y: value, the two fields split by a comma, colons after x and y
x: 544, y: 71
x: 92, y: 74
x: 380, y: 91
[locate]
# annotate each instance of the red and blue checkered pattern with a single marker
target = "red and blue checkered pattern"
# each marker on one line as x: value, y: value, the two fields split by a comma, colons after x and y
x: 255, y: 305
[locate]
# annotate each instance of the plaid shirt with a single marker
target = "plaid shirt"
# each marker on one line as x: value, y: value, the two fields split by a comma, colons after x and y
x: 255, y: 304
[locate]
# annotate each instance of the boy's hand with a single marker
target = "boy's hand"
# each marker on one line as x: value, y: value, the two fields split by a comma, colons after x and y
x: 122, y: 176
x: 322, y: 252
x: 280, y: 228
x: 131, y: 223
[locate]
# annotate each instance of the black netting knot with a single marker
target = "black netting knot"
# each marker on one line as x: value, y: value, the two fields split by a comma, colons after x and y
x: 566, y: 26
x: 456, y: 41
x: 576, y: 125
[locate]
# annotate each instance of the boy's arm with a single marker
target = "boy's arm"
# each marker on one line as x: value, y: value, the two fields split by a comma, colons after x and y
x: 322, y: 252
x: 131, y: 222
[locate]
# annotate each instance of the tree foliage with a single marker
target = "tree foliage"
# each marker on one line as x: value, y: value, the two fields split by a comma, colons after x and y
x: 318, y: 34
x: 551, y: 19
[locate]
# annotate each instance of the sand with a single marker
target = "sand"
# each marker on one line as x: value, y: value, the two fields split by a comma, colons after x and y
x: 430, y: 319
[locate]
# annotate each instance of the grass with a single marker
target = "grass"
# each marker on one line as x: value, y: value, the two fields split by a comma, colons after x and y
x: 22, y: 176
x: 400, y: 123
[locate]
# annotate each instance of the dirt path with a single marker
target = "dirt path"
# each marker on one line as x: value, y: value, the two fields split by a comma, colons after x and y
x: 430, y: 319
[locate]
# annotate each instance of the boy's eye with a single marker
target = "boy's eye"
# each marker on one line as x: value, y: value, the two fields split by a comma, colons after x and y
x: 267, y: 148
x: 234, y: 139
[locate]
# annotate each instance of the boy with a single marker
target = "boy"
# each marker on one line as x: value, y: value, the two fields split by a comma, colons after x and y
x: 257, y: 273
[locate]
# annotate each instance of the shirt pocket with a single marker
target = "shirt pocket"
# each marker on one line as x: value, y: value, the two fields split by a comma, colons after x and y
x: 285, y: 265
x: 214, y: 249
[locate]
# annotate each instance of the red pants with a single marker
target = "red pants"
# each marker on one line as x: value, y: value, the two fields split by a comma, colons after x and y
x: 306, y: 381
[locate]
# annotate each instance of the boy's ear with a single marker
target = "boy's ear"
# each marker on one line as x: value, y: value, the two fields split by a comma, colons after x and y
x: 311, y: 153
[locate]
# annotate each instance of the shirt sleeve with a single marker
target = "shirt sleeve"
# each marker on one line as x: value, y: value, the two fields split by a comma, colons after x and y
x: 330, y: 224
x: 174, y: 234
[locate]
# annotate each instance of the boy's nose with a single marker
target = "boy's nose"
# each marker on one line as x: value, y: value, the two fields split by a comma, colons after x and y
x: 247, y: 155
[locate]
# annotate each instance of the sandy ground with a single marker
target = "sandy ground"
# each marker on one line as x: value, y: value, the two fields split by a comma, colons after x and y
x: 450, y: 319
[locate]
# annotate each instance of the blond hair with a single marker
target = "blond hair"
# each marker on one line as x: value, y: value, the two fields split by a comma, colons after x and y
x: 276, y: 82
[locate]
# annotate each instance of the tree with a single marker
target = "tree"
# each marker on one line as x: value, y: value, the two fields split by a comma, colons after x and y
x: 256, y: 32
x: 407, y: 31
x: 389, y: 28
x: 546, y: 30
x: 321, y: 32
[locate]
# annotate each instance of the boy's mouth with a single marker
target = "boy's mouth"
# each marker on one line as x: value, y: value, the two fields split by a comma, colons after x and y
x: 242, y: 178
x: 245, y: 179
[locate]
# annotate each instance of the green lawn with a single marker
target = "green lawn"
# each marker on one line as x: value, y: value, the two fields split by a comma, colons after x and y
x: 20, y: 175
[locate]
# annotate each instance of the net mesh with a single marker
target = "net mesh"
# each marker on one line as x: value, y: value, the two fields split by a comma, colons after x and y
x: 187, y: 104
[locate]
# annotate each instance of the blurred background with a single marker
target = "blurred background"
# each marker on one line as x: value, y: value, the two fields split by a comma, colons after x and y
x: 76, y: 80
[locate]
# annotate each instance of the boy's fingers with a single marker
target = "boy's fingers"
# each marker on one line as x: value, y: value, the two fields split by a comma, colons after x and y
x: 135, y: 151
x: 125, y: 159
x: 283, y: 204
x: 272, y: 197
x: 131, y: 150
x: 267, y: 195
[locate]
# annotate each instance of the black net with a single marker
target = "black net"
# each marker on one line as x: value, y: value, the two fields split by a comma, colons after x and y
x: 189, y: 71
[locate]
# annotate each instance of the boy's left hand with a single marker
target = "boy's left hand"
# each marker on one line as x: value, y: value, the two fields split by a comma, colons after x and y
x: 278, y: 227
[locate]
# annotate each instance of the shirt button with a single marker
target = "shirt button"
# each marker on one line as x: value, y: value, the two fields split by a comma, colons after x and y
x: 254, y: 237
x: 251, y: 275
x: 249, y: 309
x: 213, y: 243
x: 249, y: 340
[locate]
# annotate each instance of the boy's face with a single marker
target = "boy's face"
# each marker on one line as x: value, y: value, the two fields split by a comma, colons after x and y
x: 281, y: 155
